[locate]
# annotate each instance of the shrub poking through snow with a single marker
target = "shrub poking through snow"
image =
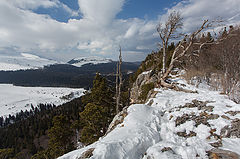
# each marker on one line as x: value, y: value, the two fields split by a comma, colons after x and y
x: 145, y: 89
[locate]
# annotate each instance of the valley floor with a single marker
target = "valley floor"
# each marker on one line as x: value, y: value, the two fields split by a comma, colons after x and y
x: 170, y: 126
x: 13, y: 99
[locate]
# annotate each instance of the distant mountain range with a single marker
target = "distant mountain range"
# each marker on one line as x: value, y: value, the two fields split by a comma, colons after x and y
x: 78, y: 62
x: 26, y: 61
x: 31, y: 70
x: 23, y: 62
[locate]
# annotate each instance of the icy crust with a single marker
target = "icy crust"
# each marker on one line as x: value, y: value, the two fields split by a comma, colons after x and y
x: 176, y: 125
x: 13, y: 99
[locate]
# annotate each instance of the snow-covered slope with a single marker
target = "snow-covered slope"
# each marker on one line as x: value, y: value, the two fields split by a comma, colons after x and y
x: 172, y: 125
x: 13, y: 99
x: 23, y: 62
x: 78, y: 62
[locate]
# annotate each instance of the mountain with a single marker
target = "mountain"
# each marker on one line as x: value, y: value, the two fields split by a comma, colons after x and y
x: 65, y: 75
x: 78, y: 62
x: 198, y: 123
x: 23, y: 62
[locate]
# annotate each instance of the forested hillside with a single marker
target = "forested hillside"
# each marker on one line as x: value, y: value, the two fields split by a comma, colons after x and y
x: 63, y: 75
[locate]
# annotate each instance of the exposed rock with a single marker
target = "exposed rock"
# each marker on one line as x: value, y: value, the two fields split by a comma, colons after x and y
x: 118, y: 119
x: 232, y: 130
x: 142, y: 79
x: 151, y: 94
x: 222, y: 154
x: 225, y: 117
x: 199, y: 104
x: 87, y: 154
x: 217, y: 144
x: 214, y: 135
x: 177, y: 88
x: 150, y: 102
x: 184, y: 134
x: 167, y: 149
x: 233, y: 113
x: 201, y: 119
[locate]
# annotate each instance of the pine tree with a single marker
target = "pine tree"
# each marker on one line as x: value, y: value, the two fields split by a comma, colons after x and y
x: 98, y: 113
x: 60, y: 137
x: 94, y: 122
x: 209, y: 37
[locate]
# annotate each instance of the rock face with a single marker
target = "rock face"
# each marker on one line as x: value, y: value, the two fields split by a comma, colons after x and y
x: 118, y: 119
x: 222, y: 154
x: 142, y: 79
x: 87, y: 154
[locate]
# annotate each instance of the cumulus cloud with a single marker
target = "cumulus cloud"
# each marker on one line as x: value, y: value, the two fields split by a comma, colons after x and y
x: 33, y: 4
x: 195, y: 11
x: 102, y: 12
x: 98, y: 31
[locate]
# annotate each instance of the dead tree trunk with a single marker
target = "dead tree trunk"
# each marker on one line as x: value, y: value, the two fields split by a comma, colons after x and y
x: 117, y: 89
x: 167, y: 31
x: 180, y: 51
x: 118, y: 81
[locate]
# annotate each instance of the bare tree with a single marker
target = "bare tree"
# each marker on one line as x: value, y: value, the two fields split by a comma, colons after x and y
x: 167, y: 31
x: 118, y: 81
x: 182, y: 49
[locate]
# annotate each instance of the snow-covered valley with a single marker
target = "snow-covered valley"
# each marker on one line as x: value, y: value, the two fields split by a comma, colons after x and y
x: 13, y: 99
x: 172, y: 125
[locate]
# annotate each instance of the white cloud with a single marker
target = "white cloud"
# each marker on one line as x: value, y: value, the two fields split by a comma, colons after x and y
x: 102, y: 12
x: 33, y: 4
x: 98, y: 32
x: 195, y: 11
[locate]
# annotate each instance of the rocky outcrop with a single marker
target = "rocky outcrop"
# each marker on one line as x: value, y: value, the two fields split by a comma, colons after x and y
x: 142, y: 79
x: 118, y: 119
x: 222, y: 154
x: 87, y: 154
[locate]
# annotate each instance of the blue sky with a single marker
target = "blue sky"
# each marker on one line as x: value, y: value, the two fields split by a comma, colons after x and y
x: 65, y: 29
x: 149, y: 9
x: 145, y: 8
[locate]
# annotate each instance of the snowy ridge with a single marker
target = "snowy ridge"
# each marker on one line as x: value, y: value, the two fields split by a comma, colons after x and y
x: 78, y: 62
x: 23, y: 62
x: 13, y: 99
x: 170, y: 126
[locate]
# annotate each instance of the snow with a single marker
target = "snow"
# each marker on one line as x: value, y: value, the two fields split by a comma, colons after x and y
x: 146, y: 72
x: 78, y: 62
x: 13, y: 99
x: 23, y: 62
x: 148, y: 130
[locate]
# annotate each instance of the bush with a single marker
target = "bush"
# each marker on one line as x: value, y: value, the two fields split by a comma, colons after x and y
x: 145, y: 89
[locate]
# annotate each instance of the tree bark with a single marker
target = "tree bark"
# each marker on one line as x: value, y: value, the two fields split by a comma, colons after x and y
x: 118, y: 79
x: 164, y: 59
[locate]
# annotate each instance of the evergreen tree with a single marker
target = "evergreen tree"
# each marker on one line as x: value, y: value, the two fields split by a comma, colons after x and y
x: 93, y: 121
x: 209, y: 37
x: 60, y: 137
x: 6, y: 153
x: 98, y: 113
